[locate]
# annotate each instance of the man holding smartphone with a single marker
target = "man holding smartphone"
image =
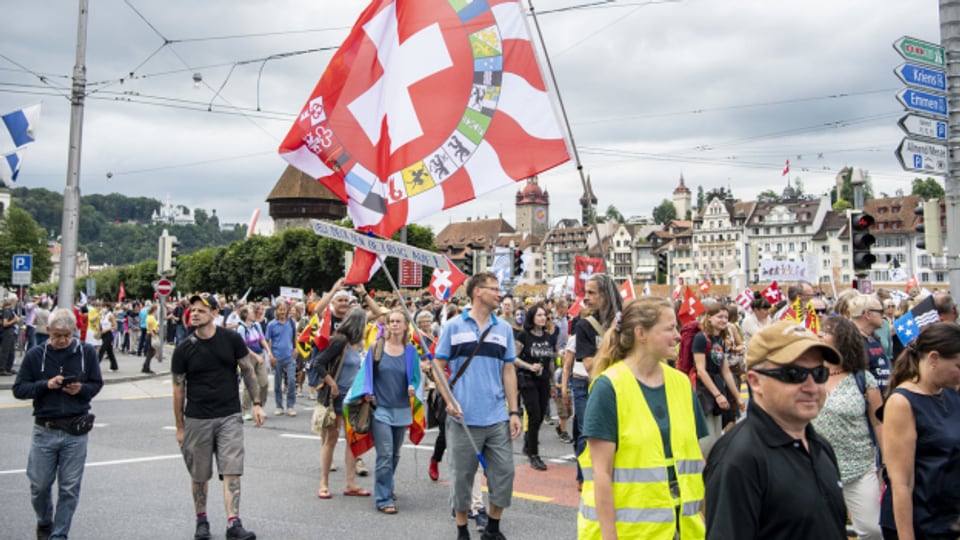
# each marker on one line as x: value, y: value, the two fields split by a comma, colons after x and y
x: 61, y: 377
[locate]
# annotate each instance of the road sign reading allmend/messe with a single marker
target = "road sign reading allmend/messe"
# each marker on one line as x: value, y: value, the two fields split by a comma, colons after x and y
x: 922, y: 156
x: 924, y: 52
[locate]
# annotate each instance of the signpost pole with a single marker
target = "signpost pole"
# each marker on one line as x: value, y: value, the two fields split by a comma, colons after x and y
x: 950, y: 38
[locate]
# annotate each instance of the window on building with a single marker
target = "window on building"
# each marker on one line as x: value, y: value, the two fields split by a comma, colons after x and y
x: 779, y: 247
x: 803, y: 246
x: 941, y: 277
x: 790, y: 247
x: 924, y: 276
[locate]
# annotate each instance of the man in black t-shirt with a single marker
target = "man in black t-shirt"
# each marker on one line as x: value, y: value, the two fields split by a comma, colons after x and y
x: 206, y: 408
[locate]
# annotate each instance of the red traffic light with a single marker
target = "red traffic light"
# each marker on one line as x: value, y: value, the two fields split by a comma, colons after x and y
x: 862, y: 222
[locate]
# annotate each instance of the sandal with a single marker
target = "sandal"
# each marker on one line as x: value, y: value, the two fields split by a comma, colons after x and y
x: 389, y: 509
x: 324, y: 493
x: 359, y: 492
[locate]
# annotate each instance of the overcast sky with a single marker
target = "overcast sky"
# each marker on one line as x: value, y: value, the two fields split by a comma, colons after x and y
x: 722, y: 92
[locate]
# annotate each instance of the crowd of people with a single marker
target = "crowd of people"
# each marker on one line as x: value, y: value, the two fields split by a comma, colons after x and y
x: 843, y: 428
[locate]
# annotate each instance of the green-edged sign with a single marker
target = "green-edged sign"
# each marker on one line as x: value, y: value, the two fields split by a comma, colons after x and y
x: 917, y: 50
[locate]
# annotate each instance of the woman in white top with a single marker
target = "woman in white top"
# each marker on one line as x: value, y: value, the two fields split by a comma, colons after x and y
x: 757, y: 320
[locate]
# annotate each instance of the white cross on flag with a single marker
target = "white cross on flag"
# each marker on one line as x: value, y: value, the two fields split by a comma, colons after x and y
x: 445, y: 282
x: 626, y: 290
x: 427, y: 105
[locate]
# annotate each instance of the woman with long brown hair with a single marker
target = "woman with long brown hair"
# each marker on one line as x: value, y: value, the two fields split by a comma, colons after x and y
x: 716, y: 386
x: 921, y: 442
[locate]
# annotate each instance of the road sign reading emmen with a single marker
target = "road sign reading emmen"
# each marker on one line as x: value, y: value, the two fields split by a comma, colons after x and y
x: 914, y: 124
x: 930, y: 79
x: 922, y: 156
x: 920, y: 51
x: 923, y: 102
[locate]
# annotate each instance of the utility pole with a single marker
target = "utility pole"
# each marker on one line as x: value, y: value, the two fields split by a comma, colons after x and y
x: 950, y: 40
x: 70, y: 226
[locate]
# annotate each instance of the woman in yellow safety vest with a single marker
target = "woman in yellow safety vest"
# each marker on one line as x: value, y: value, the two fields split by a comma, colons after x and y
x: 642, y: 465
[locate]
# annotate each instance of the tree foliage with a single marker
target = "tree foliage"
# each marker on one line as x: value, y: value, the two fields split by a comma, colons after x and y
x: 929, y: 189
x: 19, y: 233
x: 846, y: 189
x: 701, y: 198
x: 613, y: 215
x: 664, y: 213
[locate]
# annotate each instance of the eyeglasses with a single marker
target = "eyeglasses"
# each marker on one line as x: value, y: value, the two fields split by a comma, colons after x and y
x: 875, y: 310
x: 821, y: 311
x: 796, y: 374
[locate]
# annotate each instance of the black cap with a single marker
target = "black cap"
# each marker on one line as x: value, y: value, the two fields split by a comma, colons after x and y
x: 207, y: 299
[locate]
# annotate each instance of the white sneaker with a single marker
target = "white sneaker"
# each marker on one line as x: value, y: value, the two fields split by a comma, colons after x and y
x: 248, y: 417
x: 278, y: 412
x: 291, y: 412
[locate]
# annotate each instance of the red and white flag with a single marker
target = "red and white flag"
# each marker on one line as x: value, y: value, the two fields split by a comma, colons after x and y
x: 444, y: 283
x: 576, y: 307
x: 426, y: 105
x: 365, y: 264
x: 411, y: 274
x: 583, y: 268
x: 912, y: 282
x: 704, y: 287
x: 772, y: 293
x: 122, y: 294
x: 786, y: 169
x: 691, y: 308
x: 626, y: 290
x: 746, y: 300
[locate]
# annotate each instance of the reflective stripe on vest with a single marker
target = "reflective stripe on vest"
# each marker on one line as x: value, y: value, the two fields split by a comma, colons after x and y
x: 645, y: 505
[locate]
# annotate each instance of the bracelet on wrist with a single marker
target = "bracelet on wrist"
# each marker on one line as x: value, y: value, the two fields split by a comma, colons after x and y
x: 255, y: 404
x: 515, y: 413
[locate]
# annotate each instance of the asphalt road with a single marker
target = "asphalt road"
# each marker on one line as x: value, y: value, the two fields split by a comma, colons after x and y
x: 135, y: 484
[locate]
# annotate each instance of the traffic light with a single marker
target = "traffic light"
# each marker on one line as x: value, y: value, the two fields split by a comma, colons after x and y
x: 517, y: 263
x: 662, y: 270
x: 861, y: 241
x: 167, y: 254
x: 468, y: 263
x: 932, y: 240
x: 920, y: 227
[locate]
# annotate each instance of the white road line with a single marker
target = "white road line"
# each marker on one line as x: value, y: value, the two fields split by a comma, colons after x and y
x: 112, y: 462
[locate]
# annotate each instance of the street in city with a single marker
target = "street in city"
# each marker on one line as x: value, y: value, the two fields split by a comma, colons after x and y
x: 136, y: 486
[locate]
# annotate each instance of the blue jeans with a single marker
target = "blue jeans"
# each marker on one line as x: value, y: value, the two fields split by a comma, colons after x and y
x: 31, y: 337
x: 288, y: 366
x: 387, y: 440
x: 579, y: 388
x: 56, y: 455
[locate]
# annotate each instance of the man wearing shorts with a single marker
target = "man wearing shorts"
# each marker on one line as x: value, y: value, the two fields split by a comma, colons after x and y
x: 480, y: 390
x: 206, y: 407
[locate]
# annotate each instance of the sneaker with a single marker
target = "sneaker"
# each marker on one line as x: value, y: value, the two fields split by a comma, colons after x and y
x: 566, y: 438
x: 43, y: 531
x: 492, y: 536
x: 362, y: 468
x: 278, y: 412
x: 291, y: 412
x: 236, y: 531
x: 203, y: 531
x: 248, y: 417
x: 482, y: 519
x: 549, y: 421
x: 537, y: 464
x: 434, y: 470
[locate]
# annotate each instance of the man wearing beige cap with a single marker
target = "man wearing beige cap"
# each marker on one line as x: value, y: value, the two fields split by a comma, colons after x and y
x: 772, y: 476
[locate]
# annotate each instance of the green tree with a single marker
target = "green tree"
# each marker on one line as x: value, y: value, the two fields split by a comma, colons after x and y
x: 664, y: 213
x: 614, y: 215
x: 929, y: 189
x: 19, y: 233
x: 846, y: 189
x: 769, y: 194
x: 701, y: 198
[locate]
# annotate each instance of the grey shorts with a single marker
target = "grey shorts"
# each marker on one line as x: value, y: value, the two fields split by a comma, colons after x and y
x: 497, y: 448
x: 205, y: 437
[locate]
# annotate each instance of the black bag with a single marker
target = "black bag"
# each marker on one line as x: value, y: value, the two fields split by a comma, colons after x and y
x: 707, y: 402
x: 360, y: 415
x: 78, y: 425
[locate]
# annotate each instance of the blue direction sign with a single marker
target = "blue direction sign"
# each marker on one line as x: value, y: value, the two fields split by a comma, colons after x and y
x: 922, y: 77
x: 923, y: 102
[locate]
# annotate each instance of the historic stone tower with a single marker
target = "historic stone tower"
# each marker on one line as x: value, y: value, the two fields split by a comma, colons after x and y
x: 681, y: 200
x: 533, y: 209
x: 588, y: 205
x: 297, y: 198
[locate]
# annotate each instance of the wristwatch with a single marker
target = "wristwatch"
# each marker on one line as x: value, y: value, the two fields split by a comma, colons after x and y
x: 257, y: 404
x: 515, y: 413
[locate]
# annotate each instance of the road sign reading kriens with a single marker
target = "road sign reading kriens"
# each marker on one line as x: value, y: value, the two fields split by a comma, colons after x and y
x: 921, y: 156
x: 163, y: 287
x: 913, y: 124
x: 923, y: 102
x: 21, y: 267
x: 922, y: 77
x: 916, y: 50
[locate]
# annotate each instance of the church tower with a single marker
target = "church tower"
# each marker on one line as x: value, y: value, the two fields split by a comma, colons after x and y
x: 681, y: 200
x: 588, y: 205
x: 533, y: 209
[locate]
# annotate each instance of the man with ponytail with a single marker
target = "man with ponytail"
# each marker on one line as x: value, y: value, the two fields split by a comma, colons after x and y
x: 921, y: 438
x: 642, y: 464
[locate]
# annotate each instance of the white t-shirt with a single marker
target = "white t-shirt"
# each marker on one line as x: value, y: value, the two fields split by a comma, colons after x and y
x: 578, y: 369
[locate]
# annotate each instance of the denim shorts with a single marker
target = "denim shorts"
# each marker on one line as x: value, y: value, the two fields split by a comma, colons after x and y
x: 205, y: 437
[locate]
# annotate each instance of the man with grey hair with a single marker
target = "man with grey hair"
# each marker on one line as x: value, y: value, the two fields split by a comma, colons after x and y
x: 866, y: 312
x: 61, y: 377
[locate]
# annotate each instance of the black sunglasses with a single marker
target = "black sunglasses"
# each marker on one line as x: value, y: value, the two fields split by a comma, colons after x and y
x: 796, y: 374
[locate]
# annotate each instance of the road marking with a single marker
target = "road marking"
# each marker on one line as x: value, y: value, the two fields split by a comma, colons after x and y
x: 112, y: 462
x: 147, y: 397
x: 16, y: 406
x: 310, y: 437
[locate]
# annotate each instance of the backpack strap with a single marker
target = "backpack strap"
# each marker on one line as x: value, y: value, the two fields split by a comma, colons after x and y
x: 861, y: 379
x: 595, y: 324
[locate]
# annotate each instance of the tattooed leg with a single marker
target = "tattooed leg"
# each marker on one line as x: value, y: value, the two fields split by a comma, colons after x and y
x: 200, y: 497
x: 231, y: 495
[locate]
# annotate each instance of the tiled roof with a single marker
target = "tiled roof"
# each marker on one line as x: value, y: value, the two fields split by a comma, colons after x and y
x: 294, y: 184
x: 482, y: 232
x: 894, y: 215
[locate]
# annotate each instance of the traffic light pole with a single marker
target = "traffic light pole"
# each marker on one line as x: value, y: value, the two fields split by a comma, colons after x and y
x: 950, y: 39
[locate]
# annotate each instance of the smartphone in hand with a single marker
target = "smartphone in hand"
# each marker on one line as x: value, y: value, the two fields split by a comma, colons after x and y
x: 70, y: 380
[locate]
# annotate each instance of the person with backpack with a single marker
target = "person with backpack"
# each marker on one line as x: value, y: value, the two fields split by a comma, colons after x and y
x: 252, y: 335
x: 280, y: 336
x: 716, y: 388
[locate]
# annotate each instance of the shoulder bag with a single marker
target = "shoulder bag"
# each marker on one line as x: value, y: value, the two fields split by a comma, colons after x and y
x: 324, y: 415
x: 360, y: 412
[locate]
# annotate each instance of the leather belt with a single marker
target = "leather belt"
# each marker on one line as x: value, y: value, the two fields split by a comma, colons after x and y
x: 49, y: 423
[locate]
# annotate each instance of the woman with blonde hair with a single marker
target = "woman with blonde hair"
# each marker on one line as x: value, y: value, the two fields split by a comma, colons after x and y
x: 641, y: 415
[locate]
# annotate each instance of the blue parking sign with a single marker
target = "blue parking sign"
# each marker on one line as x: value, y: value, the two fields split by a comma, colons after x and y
x: 22, y: 263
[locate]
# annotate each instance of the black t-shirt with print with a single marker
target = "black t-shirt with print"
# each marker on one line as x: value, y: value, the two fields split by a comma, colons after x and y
x: 210, y: 366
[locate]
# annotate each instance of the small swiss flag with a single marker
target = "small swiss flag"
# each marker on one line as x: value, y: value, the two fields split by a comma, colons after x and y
x: 704, y: 287
x: 576, y: 307
x: 772, y: 293
x: 786, y: 169
x: 691, y: 308
x: 626, y: 290
x: 444, y: 283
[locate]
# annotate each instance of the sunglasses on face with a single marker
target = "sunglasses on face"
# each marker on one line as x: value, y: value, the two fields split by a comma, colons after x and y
x: 797, y: 374
x: 821, y: 311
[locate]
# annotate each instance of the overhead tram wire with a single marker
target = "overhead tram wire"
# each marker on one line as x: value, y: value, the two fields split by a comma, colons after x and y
x: 191, y: 164
x: 603, y: 4
x: 40, y: 77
